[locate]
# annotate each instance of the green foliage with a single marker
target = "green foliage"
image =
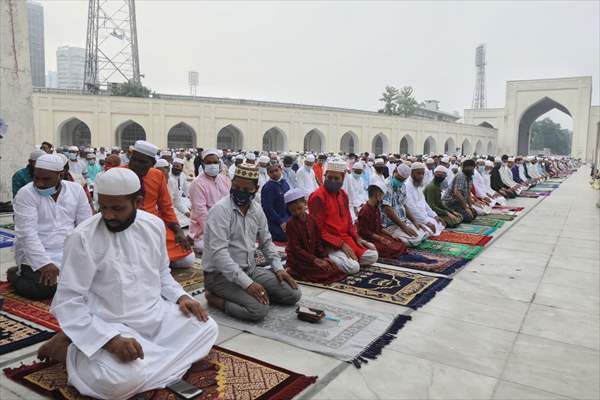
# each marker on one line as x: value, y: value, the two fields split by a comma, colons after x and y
x: 549, y: 134
x: 398, y: 102
x: 389, y: 100
x: 130, y: 89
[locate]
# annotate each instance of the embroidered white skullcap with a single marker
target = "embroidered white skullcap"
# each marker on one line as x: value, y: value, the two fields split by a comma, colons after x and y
x: 209, y: 152
x: 146, y: 148
x: 488, y: 163
x: 440, y: 168
x: 379, y: 161
x: 239, y: 157
x: 36, y: 154
x: 358, y: 165
x: 251, y: 156
x: 417, y: 165
x: 64, y: 158
x: 379, y: 183
x: 161, y: 163
x: 264, y: 159
x: 429, y: 161
x: 165, y: 153
x: 118, y: 182
x: 445, y: 159
x: 49, y: 162
x: 310, y: 158
x: 403, y: 170
x: 178, y: 161
x: 73, y: 148
x: 336, y: 166
x: 293, y: 195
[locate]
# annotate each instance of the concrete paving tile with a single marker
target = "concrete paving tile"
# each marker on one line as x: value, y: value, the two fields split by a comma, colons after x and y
x: 556, y: 367
x: 513, y: 391
x: 402, y: 376
x: 567, y: 277
x: 591, y: 252
x: 568, y: 298
x: 507, y: 267
x: 567, y: 326
x: 510, y: 287
x: 585, y: 265
x: 460, y: 344
x: 226, y: 333
x: 529, y: 238
x: 523, y: 256
x: 507, y: 242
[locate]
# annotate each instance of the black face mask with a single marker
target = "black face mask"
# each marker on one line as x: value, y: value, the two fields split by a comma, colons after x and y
x: 122, y: 225
x: 333, y: 186
x: 439, y: 179
x: 469, y: 173
x: 240, y: 198
x: 380, y: 169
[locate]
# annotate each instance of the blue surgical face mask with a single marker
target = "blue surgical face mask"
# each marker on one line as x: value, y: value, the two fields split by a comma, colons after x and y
x: 481, y: 169
x: 354, y: 174
x: 47, y: 192
x: 212, y: 169
x: 308, y: 167
x: 72, y: 156
x: 262, y: 170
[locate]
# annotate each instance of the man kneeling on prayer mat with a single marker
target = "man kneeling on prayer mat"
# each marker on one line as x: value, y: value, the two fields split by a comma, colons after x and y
x: 369, y: 224
x: 458, y: 195
x: 232, y: 280
x: 330, y: 207
x: 127, y: 325
x: 306, y: 256
x: 433, y: 196
x: 416, y: 203
x: 46, y: 212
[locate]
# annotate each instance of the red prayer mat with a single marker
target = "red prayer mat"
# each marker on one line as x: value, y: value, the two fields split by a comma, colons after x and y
x: 37, y: 311
x: 462, y: 238
x: 508, y: 208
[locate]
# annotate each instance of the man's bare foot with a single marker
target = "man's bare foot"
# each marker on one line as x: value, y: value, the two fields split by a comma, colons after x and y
x: 11, y: 274
x: 215, y: 301
x: 55, y: 349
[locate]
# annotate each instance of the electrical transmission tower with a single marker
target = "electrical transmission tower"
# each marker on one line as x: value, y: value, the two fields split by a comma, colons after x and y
x: 479, y: 98
x: 111, y: 49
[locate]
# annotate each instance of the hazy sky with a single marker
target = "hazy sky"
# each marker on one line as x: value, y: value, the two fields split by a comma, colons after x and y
x: 344, y: 53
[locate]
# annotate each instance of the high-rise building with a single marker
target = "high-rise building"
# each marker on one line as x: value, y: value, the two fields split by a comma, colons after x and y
x: 70, y: 64
x: 35, y: 17
x: 51, y: 79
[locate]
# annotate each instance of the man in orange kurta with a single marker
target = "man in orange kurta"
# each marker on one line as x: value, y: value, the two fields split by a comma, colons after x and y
x: 157, y: 201
x: 318, y: 168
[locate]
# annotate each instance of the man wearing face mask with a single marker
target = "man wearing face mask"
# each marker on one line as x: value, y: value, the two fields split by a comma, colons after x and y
x: 433, y: 196
x: 233, y: 282
x: 318, y: 168
x: 330, y: 207
x: 273, y: 205
x: 354, y: 187
x: 288, y: 172
x: 378, y: 176
x: 237, y: 161
x: 74, y: 165
x: 205, y: 191
x: 306, y: 176
x: 46, y: 212
x: 263, y: 163
x: 458, y: 195
x: 179, y: 190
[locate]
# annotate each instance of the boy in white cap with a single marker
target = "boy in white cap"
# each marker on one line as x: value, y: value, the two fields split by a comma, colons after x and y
x: 127, y: 325
x: 305, y: 176
x: 46, y: 212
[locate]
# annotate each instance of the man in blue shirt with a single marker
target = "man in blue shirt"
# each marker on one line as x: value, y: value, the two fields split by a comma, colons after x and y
x: 273, y: 205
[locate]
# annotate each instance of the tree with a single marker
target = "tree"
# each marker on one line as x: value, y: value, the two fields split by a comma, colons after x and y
x: 405, y: 102
x: 389, y: 100
x: 130, y: 89
x: 549, y: 134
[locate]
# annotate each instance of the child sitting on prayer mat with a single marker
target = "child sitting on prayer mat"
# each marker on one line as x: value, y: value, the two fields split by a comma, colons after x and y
x: 370, y: 228
x: 306, y: 256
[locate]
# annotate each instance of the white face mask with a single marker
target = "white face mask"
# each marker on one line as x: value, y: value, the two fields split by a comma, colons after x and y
x: 72, y: 156
x: 212, y: 169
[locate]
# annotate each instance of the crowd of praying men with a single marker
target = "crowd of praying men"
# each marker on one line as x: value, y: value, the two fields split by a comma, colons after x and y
x: 100, y: 231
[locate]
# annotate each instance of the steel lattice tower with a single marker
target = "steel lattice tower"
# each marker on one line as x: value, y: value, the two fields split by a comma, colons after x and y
x: 111, y: 49
x: 479, y: 97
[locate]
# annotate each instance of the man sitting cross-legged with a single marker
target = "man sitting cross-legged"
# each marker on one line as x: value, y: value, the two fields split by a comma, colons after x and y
x: 128, y: 326
x: 232, y: 280
x: 458, y: 196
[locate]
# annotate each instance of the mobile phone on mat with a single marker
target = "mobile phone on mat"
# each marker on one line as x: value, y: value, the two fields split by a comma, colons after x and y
x: 184, y: 389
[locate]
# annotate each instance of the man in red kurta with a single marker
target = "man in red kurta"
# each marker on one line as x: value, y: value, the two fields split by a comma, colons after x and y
x: 157, y: 201
x: 330, y: 208
x: 369, y: 225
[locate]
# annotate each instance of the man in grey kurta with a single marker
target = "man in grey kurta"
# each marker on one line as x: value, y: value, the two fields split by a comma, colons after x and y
x: 232, y: 280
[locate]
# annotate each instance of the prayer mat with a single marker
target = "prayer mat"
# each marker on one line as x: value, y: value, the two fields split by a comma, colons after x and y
x: 191, y: 279
x: 424, y: 261
x: 261, y: 261
x: 508, y: 208
x: 222, y: 375
x: 15, y: 334
x: 7, y: 239
x: 462, y: 238
x: 404, y: 288
x: 10, y: 227
x: 451, y: 249
x: 548, y: 185
x: 473, y: 229
x: 490, y: 223
x: 530, y: 195
x: 347, y: 333
x: 37, y: 311
x: 499, y: 217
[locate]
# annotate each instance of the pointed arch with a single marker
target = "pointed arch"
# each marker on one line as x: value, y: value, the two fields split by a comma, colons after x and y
x: 314, y: 141
x: 529, y: 116
x: 129, y: 132
x: 479, y: 148
x: 380, y: 144
x: 449, y: 146
x: 429, y: 146
x: 74, y: 132
x: 466, y: 148
x: 486, y: 124
x: 274, y: 139
x: 230, y: 137
x: 349, y: 142
x: 180, y: 136
x: 406, y: 144
x: 490, y: 148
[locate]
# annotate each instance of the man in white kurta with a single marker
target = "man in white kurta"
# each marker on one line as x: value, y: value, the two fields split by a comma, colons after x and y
x: 179, y: 190
x: 46, y: 211
x: 128, y: 326
x: 354, y: 187
x: 416, y: 203
x: 305, y: 176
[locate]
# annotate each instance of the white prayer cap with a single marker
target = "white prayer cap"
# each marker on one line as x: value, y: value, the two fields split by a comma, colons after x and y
x: 310, y: 158
x: 210, y: 152
x: 440, y: 168
x: 178, y: 161
x: 417, y: 165
x: 403, y: 170
x: 336, y: 166
x: 251, y: 156
x: 118, y: 182
x: 49, y: 162
x: 220, y: 153
x: 445, y: 159
x: 379, y: 183
x: 497, y: 159
x: 371, y: 156
x: 36, y: 154
x: 429, y: 161
x: 239, y: 157
x: 73, y: 148
x: 293, y: 195
x: 511, y: 159
x: 379, y: 161
x: 530, y: 158
x: 161, y: 163
x: 89, y: 150
x: 264, y: 159
x: 165, y: 153
x: 488, y: 163
x: 63, y: 158
x: 146, y: 148
x: 90, y: 156
x: 358, y: 165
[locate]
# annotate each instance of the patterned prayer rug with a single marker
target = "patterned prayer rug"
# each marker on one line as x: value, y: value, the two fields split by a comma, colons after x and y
x: 191, y: 279
x: 451, y: 249
x: 530, y: 195
x: 15, y: 334
x: 508, y: 208
x: 497, y: 217
x: 347, y: 333
x: 37, y: 311
x: 462, y: 238
x: 7, y: 239
x: 490, y: 223
x: 473, y: 229
x: 409, y: 289
x: 222, y: 375
x: 261, y: 261
x: 548, y: 185
x: 424, y: 261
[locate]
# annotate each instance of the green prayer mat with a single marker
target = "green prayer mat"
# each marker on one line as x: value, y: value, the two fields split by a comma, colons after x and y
x: 451, y: 249
x: 494, y: 223
x: 540, y: 189
x: 497, y: 217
